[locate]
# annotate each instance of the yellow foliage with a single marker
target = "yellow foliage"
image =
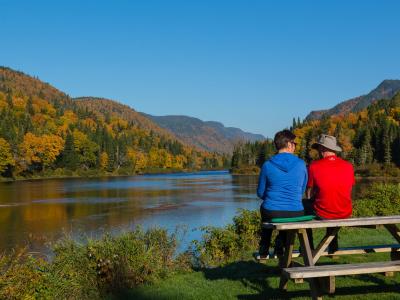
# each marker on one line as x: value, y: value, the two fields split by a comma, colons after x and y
x: 39, y: 120
x: 179, y: 162
x: 352, y: 118
x: 80, y: 139
x: 119, y: 124
x: 3, y: 104
x: 6, y: 156
x: 90, y: 123
x: 41, y: 149
x: 19, y: 103
x: 69, y: 117
x: 40, y: 105
x: 363, y: 115
x: 103, y: 160
x: 138, y: 159
x: 332, y: 127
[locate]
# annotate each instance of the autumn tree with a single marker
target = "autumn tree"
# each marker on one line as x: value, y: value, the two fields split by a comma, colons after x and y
x: 6, y: 156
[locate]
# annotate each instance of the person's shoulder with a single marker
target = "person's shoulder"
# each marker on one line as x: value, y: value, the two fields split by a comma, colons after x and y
x: 316, y: 163
x: 346, y: 163
x: 266, y: 164
x: 300, y: 161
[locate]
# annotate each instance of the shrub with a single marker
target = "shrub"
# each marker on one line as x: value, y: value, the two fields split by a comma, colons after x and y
x: 247, y: 226
x: 245, y: 170
x: 22, y: 276
x: 224, y: 245
x: 92, y: 269
x: 381, y: 199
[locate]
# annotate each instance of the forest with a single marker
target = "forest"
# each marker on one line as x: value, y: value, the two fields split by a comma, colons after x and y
x: 370, y: 139
x: 44, y: 132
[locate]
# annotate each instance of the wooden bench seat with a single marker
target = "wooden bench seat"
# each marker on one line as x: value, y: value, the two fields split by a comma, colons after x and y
x: 347, y: 251
x: 340, y: 270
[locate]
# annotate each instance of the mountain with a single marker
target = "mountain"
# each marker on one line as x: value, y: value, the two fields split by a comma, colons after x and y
x: 106, y: 108
x: 44, y: 132
x: 209, y: 136
x: 386, y: 90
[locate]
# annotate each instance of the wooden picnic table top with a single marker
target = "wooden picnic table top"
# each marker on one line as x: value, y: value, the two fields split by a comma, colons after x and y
x: 351, y: 222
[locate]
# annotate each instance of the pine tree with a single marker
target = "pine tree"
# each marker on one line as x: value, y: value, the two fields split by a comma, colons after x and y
x: 69, y: 157
x: 29, y: 106
x: 387, y: 147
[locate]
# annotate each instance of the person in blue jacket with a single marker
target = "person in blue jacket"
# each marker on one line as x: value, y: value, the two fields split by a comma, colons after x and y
x: 281, y: 186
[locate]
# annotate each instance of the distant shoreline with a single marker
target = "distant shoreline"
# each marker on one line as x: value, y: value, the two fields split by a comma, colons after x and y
x: 6, y: 180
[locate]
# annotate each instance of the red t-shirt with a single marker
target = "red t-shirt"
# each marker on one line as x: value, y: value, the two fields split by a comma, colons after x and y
x: 332, y: 179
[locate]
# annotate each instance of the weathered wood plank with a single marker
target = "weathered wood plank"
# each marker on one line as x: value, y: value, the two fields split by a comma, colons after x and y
x: 324, y: 244
x: 394, y: 248
x: 308, y: 261
x: 339, y: 270
x: 352, y: 222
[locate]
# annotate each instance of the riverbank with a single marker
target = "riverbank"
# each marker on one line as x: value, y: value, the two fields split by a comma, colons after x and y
x: 141, y: 267
x: 66, y: 174
x: 372, y: 172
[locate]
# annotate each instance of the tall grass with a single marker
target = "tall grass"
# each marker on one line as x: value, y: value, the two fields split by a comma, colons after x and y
x: 93, y: 269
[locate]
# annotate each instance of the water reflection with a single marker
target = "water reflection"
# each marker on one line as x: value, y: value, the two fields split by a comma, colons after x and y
x: 47, y: 208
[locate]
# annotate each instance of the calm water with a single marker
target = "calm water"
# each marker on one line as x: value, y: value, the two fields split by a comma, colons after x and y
x: 37, y: 212
x: 42, y: 210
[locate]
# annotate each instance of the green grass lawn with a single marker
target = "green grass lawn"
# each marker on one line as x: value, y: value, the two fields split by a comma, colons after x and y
x: 249, y: 279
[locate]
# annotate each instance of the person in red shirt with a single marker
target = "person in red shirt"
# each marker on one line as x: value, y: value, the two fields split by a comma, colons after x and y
x: 330, y: 181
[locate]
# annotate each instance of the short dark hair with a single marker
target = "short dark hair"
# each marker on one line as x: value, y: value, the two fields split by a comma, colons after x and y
x: 282, y: 138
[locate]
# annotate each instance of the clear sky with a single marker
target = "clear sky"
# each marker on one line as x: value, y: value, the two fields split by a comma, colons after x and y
x: 248, y: 64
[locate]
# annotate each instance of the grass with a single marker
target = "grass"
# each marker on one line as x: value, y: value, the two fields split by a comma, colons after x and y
x: 248, y: 279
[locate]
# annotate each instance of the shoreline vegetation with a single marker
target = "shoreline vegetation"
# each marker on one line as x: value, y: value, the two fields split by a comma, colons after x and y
x: 367, y: 172
x: 375, y: 172
x: 143, y: 264
x: 102, y: 174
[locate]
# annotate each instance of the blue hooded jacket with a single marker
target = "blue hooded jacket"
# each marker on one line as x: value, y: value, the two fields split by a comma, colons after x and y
x: 282, y: 182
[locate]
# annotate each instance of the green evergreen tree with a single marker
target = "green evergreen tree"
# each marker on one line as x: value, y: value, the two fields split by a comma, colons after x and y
x: 387, y: 146
x: 69, y: 157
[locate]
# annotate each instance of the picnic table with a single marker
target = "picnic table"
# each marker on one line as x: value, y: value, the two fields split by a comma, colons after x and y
x: 310, y: 256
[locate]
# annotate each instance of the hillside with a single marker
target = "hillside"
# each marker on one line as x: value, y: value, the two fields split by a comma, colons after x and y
x: 106, y: 108
x: 385, y: 90
x: 370, y: 139
x: 209, y: 136
x: 43, y: 132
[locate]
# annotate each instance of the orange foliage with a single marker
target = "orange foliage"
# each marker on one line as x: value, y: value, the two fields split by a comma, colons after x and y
x: 90, y: 123
x: 41, y: 149
x: 19, y: 103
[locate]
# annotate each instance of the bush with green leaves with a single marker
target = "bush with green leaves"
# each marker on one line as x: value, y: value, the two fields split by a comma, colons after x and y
x: 382, y: 199
x: 92, y: 269
x: 223, y: 245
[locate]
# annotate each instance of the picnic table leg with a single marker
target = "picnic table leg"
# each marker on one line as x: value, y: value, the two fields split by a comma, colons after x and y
x: 323, y: 245
x: 287, y: 257
x: 308, y: 261
x: 395, y: 232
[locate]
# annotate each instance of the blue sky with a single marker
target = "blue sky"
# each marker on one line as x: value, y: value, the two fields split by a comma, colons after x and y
x: 248, y: 64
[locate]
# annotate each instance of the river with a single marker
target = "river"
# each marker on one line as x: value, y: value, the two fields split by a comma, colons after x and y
x: 37, y: 212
